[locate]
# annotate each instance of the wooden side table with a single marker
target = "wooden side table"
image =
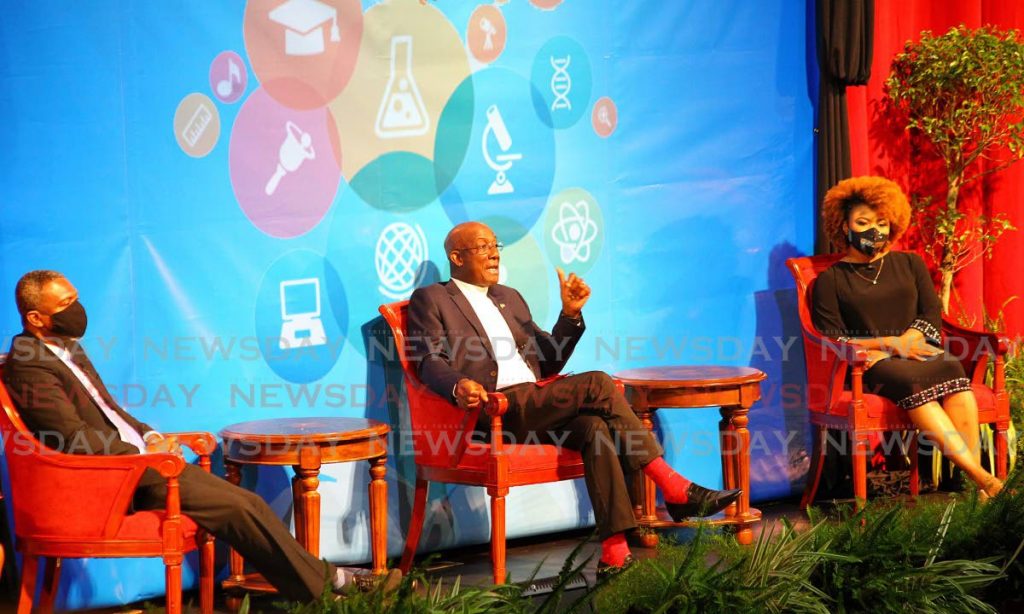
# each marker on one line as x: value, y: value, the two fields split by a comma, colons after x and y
x: 306, y: 444
x: 735, y: 390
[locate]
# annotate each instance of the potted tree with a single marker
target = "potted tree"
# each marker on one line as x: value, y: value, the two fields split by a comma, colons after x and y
x: 963, y: 92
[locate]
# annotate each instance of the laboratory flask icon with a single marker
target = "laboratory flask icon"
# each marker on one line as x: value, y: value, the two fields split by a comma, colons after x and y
x: 401, y: 112
x: 296, y: 148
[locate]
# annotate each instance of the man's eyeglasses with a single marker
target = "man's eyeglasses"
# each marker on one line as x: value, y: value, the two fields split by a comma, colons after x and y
x: 483, y: 248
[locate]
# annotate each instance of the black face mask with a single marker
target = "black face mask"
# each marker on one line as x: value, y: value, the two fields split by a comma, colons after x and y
x: 868, y: 242
x: 69, y: 322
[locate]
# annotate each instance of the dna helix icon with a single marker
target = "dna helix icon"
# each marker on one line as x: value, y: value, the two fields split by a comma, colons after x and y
x: 561, y: 83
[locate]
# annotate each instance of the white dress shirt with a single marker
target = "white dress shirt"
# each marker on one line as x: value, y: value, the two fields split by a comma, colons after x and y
x: 126, y: 432
x: 512, y: 367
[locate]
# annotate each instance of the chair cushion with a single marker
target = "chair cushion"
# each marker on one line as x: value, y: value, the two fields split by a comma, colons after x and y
x: 146, y: 526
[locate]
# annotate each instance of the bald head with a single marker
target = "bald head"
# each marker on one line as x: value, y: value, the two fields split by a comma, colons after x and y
x: 473, y: 253
x: 464, y: 234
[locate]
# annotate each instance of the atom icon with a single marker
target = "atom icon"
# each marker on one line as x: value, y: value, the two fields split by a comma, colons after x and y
x: 574, y: 232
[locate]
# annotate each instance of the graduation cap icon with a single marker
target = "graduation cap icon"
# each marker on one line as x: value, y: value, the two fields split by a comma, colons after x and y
x: 303, y: 21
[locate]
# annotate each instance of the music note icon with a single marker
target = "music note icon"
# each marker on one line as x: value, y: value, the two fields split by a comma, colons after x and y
x: 227, y: 76
x: 225, y: 86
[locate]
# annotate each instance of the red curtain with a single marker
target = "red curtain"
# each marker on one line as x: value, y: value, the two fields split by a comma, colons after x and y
x: 876, y: 148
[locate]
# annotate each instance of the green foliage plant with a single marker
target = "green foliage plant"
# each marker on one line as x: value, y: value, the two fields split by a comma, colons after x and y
x: 964, y: 92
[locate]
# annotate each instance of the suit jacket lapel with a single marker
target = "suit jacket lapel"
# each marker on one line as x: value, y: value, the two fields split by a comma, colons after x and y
x: 81, y: 359
x: 462, y: 303
x: 53, y: 358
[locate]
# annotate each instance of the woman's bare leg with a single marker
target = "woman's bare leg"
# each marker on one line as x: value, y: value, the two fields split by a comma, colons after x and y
x: 962, y: 409
x: 937, y: 427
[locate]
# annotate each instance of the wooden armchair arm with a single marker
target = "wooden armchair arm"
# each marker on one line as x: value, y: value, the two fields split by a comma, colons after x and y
x: 995, y: 343
x: 200, y: 442
x: 974, y: 348
x: 831, y: 359
x: 497, y: 404
x: 167, y: 465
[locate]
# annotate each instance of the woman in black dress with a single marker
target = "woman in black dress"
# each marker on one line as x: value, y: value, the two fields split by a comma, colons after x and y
x: 885, y: 302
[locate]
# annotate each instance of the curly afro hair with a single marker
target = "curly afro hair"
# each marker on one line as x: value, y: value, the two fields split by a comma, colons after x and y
x: 883, y: 195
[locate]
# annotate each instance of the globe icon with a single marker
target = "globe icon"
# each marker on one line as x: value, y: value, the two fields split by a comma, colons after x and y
x: 401, y: 249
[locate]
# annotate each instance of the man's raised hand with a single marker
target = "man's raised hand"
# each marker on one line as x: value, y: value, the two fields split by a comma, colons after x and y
x: 574, y: 291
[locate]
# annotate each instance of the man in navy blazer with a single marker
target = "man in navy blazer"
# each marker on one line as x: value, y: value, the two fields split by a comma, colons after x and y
x: 472, y: 336
x: 544, y: 353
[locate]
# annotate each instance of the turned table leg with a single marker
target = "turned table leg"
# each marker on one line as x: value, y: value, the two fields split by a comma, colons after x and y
x: 378, y: 514
x: 645, y: 488
x: 308, y: 472
x: 298, y: 511
x: 736, y: 465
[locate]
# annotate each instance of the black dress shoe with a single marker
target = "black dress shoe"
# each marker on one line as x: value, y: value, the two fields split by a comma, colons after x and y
x: 605, y: 571
x: 701, y: 502
x: 366, y: 582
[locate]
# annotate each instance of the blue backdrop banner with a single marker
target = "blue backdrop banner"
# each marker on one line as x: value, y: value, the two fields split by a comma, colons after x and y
x: 235, y: 187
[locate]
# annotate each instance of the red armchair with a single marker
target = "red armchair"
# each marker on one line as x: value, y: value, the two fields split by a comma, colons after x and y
x: 76, y: 506
x: 444, y: 452
x: 859, y: 413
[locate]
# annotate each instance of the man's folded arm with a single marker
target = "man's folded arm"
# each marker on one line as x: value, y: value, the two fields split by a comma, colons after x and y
x: 48, y: 412
x: 428, y: 350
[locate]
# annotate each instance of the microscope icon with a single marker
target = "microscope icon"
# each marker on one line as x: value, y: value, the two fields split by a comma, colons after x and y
x: 502, y: 161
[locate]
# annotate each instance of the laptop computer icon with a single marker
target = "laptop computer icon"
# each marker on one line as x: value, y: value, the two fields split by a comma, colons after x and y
x: 300, y: 314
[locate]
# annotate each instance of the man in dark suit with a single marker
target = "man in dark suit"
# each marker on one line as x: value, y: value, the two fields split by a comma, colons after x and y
x: 63, y: 400
x: 473, y: 336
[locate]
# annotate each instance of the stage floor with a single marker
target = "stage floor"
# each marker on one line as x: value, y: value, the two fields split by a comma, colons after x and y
x: 473, y: 564
x: 550, y: 551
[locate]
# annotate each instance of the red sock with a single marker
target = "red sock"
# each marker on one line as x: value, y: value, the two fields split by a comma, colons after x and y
x: 614, y: 550
x: 673, y: 486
